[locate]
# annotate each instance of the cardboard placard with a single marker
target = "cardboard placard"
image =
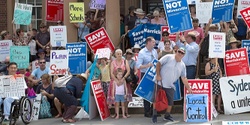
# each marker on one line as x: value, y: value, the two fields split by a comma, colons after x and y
x: 217, y: 43
x: 76, y: 12
x: 54, y: 11
x: 22, y: 13
x: 58, y: 36
x: 59, y: 62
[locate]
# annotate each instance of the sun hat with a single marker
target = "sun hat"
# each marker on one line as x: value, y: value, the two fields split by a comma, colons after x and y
x: 139, y: 11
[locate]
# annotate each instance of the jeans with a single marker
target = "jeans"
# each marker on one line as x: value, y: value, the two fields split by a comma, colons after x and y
x: 7, y: 105
x: 191, y: 72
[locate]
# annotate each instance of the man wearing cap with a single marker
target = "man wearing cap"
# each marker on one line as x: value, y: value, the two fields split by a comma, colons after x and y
x: 130, y: 19
x: 41, y: 55
x: 43, y: 37
x: 199, y: 34
x: 144, y: 61
x: 168, y: 70
x: 142, y: 19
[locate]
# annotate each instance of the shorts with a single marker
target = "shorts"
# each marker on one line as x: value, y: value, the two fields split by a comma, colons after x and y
x: 119, y: 98
x: 170, y: 95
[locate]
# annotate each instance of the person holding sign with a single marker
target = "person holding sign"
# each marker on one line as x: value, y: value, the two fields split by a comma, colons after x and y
x: 43, y: 37
x: 83, y: 29
x: 5, y: 35
x: 233, y: 43
x: 169, y: 68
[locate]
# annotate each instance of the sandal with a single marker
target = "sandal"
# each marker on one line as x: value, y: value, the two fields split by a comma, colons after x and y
x: 113, y: 116
x: 68, y: 121
x: 127, y: 115
x: 220, y: 111
x: 58, y: 116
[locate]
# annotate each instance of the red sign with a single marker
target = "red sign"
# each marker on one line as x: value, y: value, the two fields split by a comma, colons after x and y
x: 245, y: 13
x: 100, y: 99
x: 236, y: 62
x: 200, y: 86
x: 172, y: 37
x: 99, y: 39
x: 54, y: 11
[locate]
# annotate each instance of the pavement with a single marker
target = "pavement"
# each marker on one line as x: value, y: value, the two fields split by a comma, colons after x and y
x: 139, y: 119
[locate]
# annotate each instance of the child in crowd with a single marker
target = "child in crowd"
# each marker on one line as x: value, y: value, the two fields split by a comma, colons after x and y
x: 119, y: 93
x: 105, y: 72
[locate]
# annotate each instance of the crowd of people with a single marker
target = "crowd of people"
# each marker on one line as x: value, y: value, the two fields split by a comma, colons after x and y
x: 118, y: 74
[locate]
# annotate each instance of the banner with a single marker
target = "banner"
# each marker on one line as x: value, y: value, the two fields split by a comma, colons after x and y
x: 54, y: 11
x: 77, y: 57
x: 59, y: 62
x: 97, y: 4
x: 20, y: 55
x: 246, y: 15
x: 5, y: 49
x: 235, y: 91
x: 103, y: 53
x: 246, y: 44
x: 139, y: 34
x: 217, y: 45
x: 99, y: 39
x: 178, y: 15
x: 22, y: 13
x: 76, y: 12
x: 204, y: 11
x: 58, y: 36
x: 242, y: 4
x: 146, y: 87
x: 236, y: 62
x: 100, y: 99
x: 198, y: 105
x: 222, y: 10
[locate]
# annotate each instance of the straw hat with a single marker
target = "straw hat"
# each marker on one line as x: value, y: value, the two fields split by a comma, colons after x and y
x: 212, y: 26
x: 84, y: 75
x: 129, y: 51
x: 139, y: 11
x: 136, y: 46
x: 233, y: 40
x: 4, y: 32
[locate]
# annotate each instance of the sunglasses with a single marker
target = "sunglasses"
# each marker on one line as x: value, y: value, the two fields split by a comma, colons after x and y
x: 180, y: 52
x: 42, y: 62
x: 164, y: 35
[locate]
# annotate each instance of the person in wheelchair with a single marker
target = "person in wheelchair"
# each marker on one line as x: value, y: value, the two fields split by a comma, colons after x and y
x: 67, y: 89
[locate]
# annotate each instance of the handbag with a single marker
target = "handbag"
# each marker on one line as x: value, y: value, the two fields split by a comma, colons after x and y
x: 44, y: 109
x: 161, y: 101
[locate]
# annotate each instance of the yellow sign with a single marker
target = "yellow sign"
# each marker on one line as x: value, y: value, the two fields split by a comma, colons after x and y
x: 76, y: 12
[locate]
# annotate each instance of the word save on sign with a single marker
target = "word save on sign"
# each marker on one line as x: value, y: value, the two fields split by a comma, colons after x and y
x: 235, y: 55
x: 97, y: 36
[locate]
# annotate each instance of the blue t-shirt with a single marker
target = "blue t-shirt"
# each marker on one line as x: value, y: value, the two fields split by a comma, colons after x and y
x: 38, y: 72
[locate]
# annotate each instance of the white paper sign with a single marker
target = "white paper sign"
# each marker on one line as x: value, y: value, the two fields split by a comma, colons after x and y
x: 137, y: 102
x: 235, y: 122
x: 235, y: 91
x: 36, y: 107
x: 58, y: 36
x: 35, y: 64
x: 217, y: 43
x: 242, y: 4
x: 59, y: 62
x: 103, y: 53
x: 204, y: 11
x: 5, y: 49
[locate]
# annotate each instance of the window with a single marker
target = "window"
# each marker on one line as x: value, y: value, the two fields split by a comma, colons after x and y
x: 36, y: 18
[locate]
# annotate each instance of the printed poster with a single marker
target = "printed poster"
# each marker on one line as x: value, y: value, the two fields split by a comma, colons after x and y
x: 22, y: 13
x: 5, y: 49
x: 222, y: 10
x: 100, y: 99
x: 54, y: 10
x: 59, y: 62
x: 217, y: 45
x: 103, y: 53
x: 204, y: 11
x: 246, y: 44
x: 36, y: 107
x: 99, y: 39
x: 235, y: 94
x: 58, y: 36
x: 246, y: 15
x: 242, y: 4
x: 97, y: 4
x: 178, y: 15
x: 20, y: 55
x: 77, y: 57
x: 76, y: 12
x: 236, y: 62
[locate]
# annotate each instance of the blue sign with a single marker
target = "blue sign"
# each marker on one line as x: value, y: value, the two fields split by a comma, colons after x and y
x: 146, y: 87
x: 222, y: 10
x: 196, y: 108
x: 77, y: 57
x: 177, y: 93
x: 246, y: 44
x: 139, y: 34
x: 178, y: 15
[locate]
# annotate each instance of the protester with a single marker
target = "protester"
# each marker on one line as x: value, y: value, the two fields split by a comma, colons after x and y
x: 5, y: 35
x: 47, y: 53
x: 157, y: 19
x: 83, y: 29
x: 19, y: 39
x: 242, y: 28
x: 130, y: 19
x: 136, y: 48
x: 141, y: 18
x: 164, y: 73
x: 43, y: 37
x: 192, y: 11
x: 97, y: 71
x: 161, y: 45
x: 229, y: 28
x: 199, y: 33
x: 41, y: 55
x: 105, y: 72
x: 233, y: 43
x: 59, y: 23
x: 3, y: 68
x: 167, y: 49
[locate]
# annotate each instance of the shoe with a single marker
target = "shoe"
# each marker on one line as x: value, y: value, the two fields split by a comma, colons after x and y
x: 158, y: 115
x: 148, y: 115
x: 154, y: 119
x: 220, y: 111
x: 168, y: 118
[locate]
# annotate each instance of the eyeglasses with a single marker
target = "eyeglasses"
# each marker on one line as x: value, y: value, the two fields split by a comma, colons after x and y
x: 42, y: 62
x: 167, y: 44
x: 180, y: 52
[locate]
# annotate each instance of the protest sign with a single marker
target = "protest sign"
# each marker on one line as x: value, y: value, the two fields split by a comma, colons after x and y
x: 35, y: 64
x: 59, y: 62
x: 177, y: 92
x: 235, y: 94
x: 36, y: 107
x: 235, y: 122
x: 246, y: 15
x: 76, y: 12
x: 103, y: 53
x: 204, y: 11
x: 146, y: 87
x: 5, y: 49
x: 97, y: 4
x: 236, y: 62
x: 58, y: 36
x: 171, y: 36
x: 77, y: 57
x: 139, y: 34
x: 22, y: 13
x: 100, y: 99
x: 198, y: 105
x: 217, y: 43
x: 137, y: 102
x: 222, y: 10
x: 54, y: 11
x: 178, y: 15
x: 246, y: 44
x: 20, y: 55
x: 193, y: 1
x: 99, y: 39
x: 242, y: 4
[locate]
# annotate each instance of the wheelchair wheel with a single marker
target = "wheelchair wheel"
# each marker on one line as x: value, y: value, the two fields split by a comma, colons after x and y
x: 14, y: 114
x: 26, y: 110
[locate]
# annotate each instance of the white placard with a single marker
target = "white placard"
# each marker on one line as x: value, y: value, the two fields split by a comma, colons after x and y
x: 235, y: 91
x: 242, y: 4
x: 103, y: 53
x: 217, y: 43
x: 59, y: 62
x: 58, y: 36
x: 204, y: 11
x: 137, y: 102
x: 5, y: 49
x: 36, y: 107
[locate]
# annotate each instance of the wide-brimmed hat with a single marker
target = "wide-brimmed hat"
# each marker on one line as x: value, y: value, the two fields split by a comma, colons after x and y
x: 183, y: 50
x: 4, y: 32
x: 139, y: 11
x: 129, y: 51
x: 192, y: 34
x: 233, y: 40
x: 84, y: 75
x: 136, y: 46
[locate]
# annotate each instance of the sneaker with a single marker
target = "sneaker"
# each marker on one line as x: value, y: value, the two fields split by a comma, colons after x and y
x: 154, y: 119
x: 168, y: 118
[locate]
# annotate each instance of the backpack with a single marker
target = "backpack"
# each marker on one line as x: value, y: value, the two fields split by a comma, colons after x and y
x: 44, y: 109
x: 204, y: 50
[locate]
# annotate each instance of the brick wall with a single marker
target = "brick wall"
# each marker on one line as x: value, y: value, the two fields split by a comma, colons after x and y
x: 3, y: 15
